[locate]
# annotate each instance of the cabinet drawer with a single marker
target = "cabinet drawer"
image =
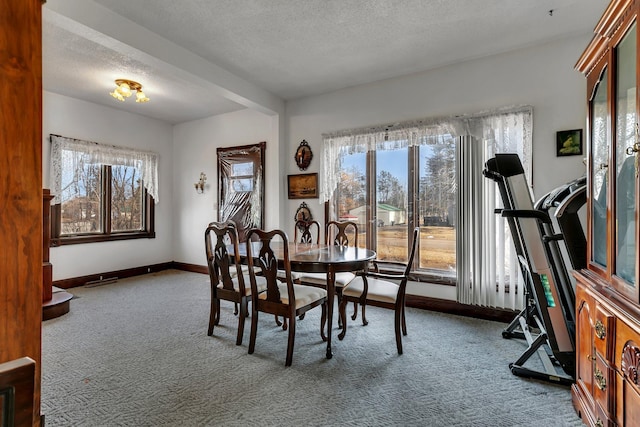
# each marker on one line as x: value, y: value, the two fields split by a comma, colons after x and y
x: 602, y: 419
x: 604, y: 385
x: 604, y: 333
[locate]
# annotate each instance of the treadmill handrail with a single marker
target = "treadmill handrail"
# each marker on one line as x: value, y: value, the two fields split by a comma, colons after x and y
x: 527, y: 213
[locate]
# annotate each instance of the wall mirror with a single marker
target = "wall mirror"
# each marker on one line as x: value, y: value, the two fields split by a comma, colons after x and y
x: 241, y: 186
x: 303, y: 155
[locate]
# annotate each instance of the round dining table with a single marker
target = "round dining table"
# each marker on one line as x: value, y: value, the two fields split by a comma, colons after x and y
x: 321, y: 258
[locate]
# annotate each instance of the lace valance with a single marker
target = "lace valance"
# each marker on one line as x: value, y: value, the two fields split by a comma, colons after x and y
x: 504, y: 126
x: 95, y: 153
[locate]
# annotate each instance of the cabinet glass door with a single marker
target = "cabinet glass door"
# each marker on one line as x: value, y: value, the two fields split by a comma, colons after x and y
x: 599, y: 172
x: 625, y: 172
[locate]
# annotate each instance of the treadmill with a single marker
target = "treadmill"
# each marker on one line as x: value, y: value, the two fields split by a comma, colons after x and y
x: 563, y: 205
x: 548, y: 320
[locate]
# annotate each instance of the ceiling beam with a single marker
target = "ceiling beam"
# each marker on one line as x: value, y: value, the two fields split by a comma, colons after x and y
x: 94, y: 22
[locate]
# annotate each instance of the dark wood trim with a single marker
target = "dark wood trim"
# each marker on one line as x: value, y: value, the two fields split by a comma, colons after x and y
x: 120, y: 274
x: 425, y: 303
x: 58, y: 305
x: 453, y: 307
x: 57, y: 239
x: 94, y: 238
x: 17, y: 386
x: 194, y: 268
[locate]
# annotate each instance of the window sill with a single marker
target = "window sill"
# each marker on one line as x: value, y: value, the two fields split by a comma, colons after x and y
x: 75, y: 240
x: 436, y: 277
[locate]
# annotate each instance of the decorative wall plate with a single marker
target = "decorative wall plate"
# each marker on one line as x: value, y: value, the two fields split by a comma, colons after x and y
x: 303, y: 213
x: 303, y: 155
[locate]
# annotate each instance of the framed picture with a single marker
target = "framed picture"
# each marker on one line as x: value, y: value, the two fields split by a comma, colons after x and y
x: 304, y: 186
x: 569, y: 142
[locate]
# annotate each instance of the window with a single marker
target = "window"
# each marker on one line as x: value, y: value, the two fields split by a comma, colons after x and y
x: 395, y: 208
x: 101, y: 192
x: 428, y: 174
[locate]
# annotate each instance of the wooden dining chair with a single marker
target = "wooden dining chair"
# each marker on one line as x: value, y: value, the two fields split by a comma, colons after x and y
x: 286, y: 299
x: 229, y: 279
x: 340, y: 233
x: 378, y: 289
x: 303, y: 233
x: 306, y: 230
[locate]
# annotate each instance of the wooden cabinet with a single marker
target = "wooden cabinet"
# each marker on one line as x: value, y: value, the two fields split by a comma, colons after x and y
x: 607, y: 388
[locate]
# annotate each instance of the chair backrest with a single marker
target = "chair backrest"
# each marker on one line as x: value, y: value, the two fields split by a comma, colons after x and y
x: 222, y: 267
x: 336, y: 233
x: 305, y: 230
x: 407, y: 270
x: 414, y: 249
x: 263, y: 254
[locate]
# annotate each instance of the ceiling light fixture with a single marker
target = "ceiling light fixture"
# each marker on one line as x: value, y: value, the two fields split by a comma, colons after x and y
x: 124, y: 89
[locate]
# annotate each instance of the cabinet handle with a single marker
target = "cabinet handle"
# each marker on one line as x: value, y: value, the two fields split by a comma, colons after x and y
x: 635, y: 149
x: 599, y: 423
x: 603, y: 166
x: 590, y: 358
x: 601, y: 331
x: 601, y: 382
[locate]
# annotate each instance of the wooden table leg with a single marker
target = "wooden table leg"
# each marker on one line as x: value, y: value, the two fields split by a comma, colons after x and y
x: 331, y: 283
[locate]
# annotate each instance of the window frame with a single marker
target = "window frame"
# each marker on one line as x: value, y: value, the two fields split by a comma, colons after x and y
x: 148, y: 218
x: 424, y: 274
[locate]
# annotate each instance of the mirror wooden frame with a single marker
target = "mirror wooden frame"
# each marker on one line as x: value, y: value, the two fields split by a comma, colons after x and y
x: 240, y: 187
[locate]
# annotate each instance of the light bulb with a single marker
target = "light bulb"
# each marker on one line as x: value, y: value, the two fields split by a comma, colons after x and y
x: 141, y: 97
x: 116, y: 95
x: 124, y: 90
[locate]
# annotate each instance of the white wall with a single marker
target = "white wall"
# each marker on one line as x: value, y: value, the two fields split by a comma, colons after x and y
x: 194, y: 151
x: 541, y: 76
x: 84, y: 120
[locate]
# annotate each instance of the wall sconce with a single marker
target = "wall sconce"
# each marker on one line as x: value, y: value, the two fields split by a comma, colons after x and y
x: 200, y: 184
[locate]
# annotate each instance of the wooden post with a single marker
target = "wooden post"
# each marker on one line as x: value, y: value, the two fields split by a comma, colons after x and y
x: 21, y: 185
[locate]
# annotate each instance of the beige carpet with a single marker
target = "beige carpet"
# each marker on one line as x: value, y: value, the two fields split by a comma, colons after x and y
x: 136, y: 353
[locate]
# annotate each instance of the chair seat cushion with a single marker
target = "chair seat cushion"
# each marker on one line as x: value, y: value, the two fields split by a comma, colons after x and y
x: 379, y: 290
x: 244, y: 268
x: 305, y: 295
x: 261, y: 281
x: 294, y: 275
x: 321, y: 278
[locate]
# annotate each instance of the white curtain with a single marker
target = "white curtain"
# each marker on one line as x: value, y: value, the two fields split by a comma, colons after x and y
x: 487, y: 267
x: 87, y: 152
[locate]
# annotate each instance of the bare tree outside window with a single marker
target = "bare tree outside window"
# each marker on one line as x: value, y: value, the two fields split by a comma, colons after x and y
x: 126, y: 199
x: 81, y: 194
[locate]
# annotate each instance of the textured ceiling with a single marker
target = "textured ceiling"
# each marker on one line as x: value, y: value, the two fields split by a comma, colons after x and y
x: 288, y: 48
